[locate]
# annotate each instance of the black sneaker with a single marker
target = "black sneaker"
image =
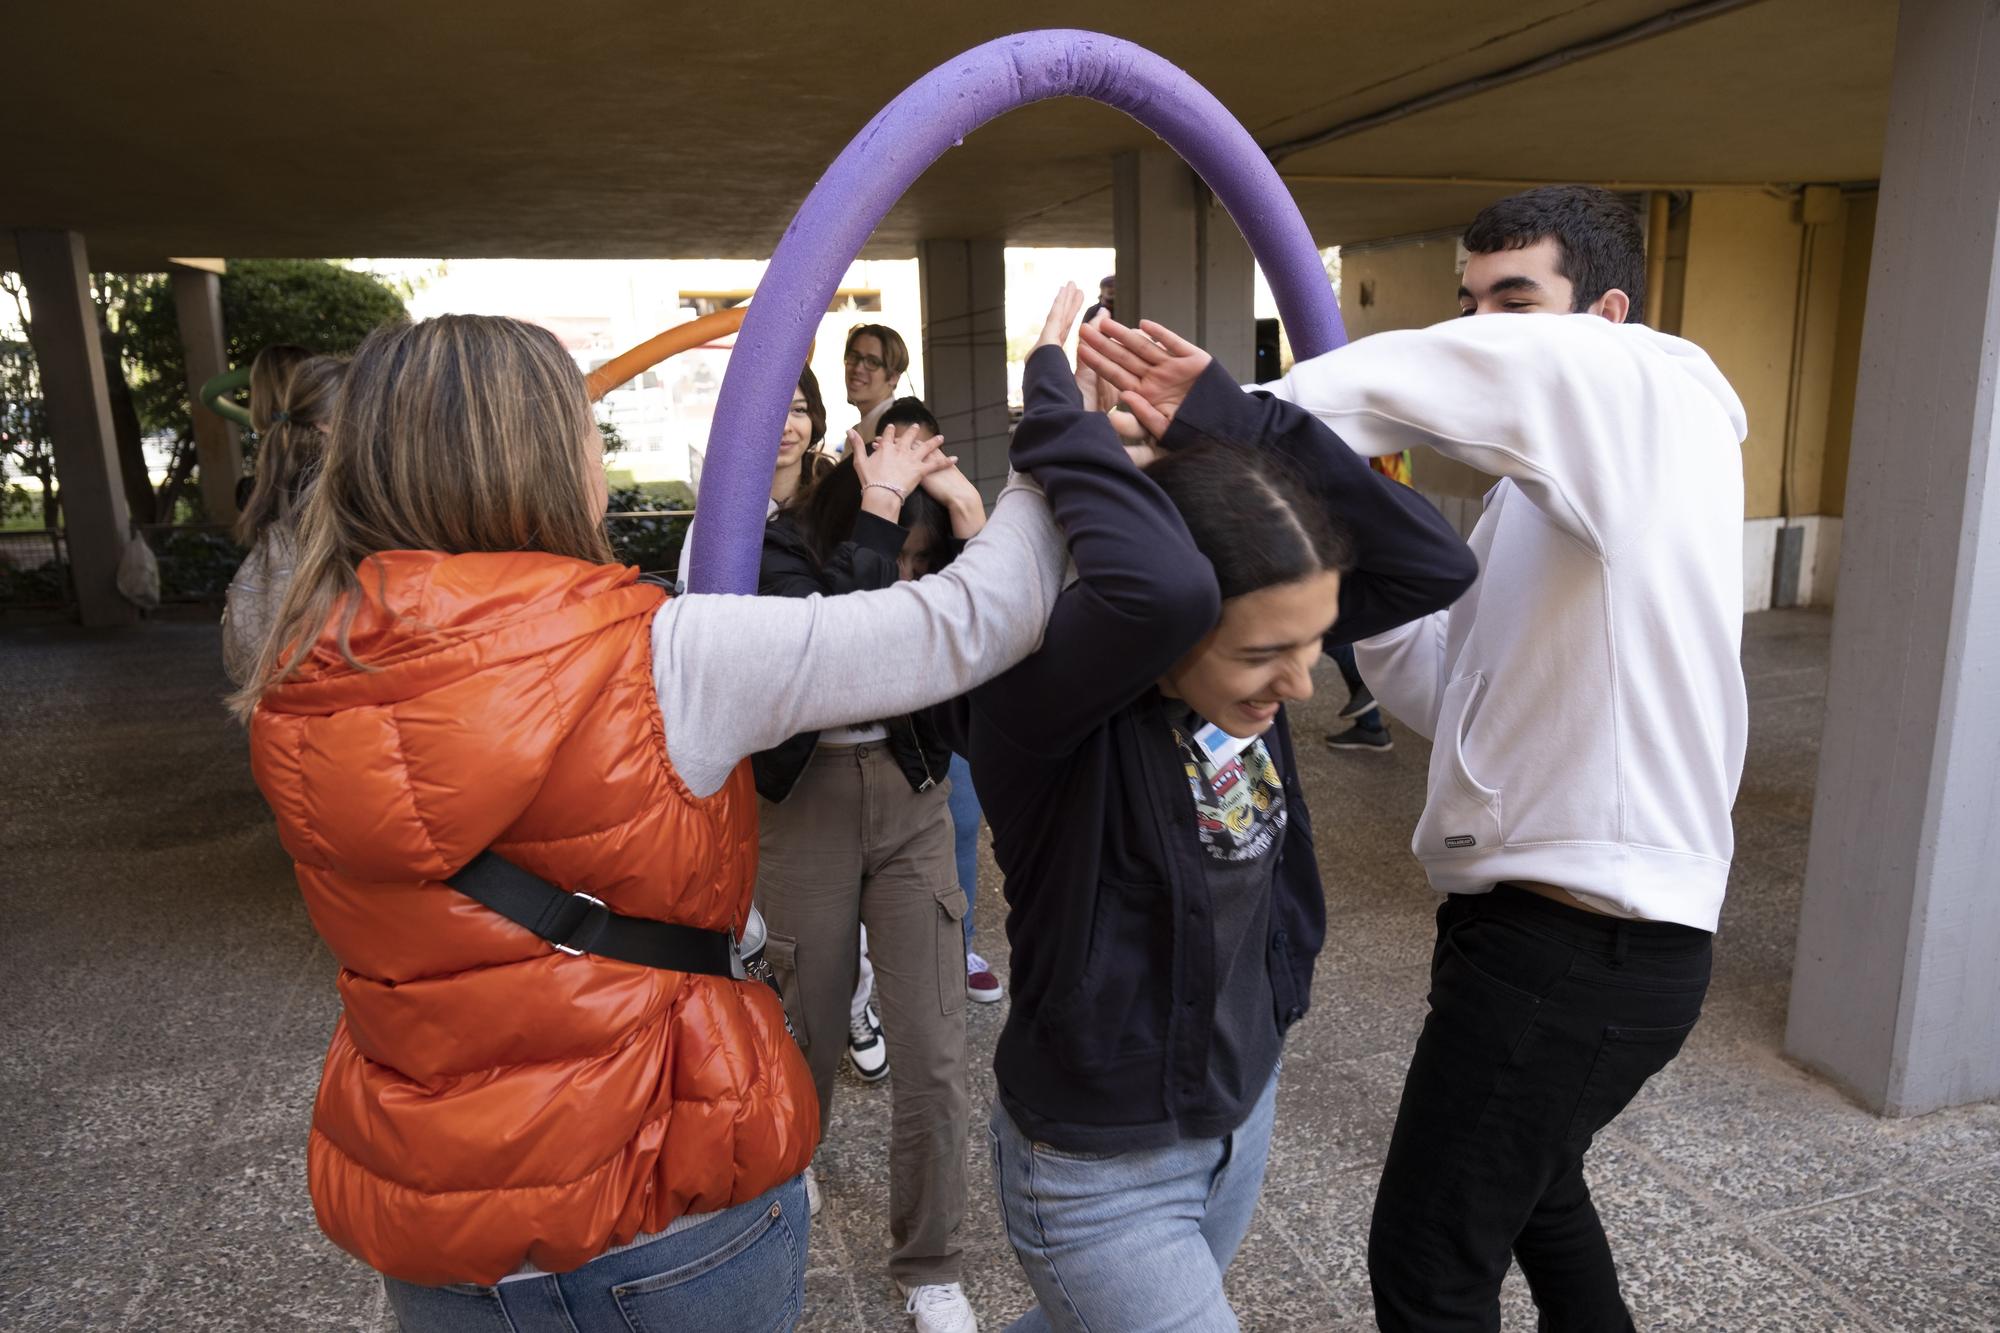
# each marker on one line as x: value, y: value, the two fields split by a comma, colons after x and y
x: 1359, y: 704
x: 1362, y: 738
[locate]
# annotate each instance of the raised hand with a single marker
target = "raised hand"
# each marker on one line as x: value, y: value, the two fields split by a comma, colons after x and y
x: 950, y: 487
x: 1101, y: 395
x: 896, y: 464
x: 1151, y: 367
x: 1062, y: 316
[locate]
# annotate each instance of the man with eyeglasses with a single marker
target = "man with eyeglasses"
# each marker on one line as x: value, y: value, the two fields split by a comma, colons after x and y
x: 875, y: 361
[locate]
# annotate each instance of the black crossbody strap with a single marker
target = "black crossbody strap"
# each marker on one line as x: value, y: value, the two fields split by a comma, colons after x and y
x: 577, y: 923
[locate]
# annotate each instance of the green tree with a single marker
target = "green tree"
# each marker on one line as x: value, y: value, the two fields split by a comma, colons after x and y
x: 25, y: 450
x: 25, y: 447
x: 316, y: 303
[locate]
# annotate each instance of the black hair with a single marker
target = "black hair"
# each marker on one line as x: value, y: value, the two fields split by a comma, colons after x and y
x: 908, y: 412
x: 815, y: 406
x: 1599, y: 242
x: 1258, y: 523
x: 816, y: 463
x: 825, y: 516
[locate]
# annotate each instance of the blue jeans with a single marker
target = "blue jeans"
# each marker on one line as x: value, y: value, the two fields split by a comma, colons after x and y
x: 964, y: 806
x: 1135, y: 1242
x: 744, y: 1268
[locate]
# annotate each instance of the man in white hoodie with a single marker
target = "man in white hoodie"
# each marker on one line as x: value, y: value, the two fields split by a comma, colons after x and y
x: 1587, y: 707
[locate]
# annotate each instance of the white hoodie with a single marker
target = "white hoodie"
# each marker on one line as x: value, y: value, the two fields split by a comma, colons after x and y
x: 1586, y: 696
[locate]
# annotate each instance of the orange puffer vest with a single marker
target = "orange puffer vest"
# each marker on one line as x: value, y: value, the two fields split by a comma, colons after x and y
x: 487, y: 1100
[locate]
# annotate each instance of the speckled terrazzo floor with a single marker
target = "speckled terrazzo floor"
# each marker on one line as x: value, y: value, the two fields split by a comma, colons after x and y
x: 167, y: 1005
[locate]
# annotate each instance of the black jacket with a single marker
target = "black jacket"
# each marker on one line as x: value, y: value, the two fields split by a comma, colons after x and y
x: 866, y: 561
x: 1106, y: 1044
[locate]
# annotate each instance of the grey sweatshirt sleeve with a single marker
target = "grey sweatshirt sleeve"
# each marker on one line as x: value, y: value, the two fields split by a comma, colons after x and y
x: 739, y: 674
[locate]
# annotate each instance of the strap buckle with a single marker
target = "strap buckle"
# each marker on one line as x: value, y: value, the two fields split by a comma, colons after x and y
x: 590, y: 923
x: 736, y: 968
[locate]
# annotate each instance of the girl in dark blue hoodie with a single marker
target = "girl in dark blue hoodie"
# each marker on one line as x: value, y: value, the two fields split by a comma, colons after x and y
x: 1164, y: 905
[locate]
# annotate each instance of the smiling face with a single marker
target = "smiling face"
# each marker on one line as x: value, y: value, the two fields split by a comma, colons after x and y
x: 1528, y: 281
x: 1259, y: 655
x: 868, y: 381
x: 792, y: 445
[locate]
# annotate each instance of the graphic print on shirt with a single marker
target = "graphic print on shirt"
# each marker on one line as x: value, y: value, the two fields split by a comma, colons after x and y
x: 1239, y: 804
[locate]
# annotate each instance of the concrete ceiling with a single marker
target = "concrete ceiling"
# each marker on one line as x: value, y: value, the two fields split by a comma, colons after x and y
x: 625, y: 129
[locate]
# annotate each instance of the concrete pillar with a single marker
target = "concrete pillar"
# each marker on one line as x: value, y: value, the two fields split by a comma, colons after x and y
x: 198, y: 301
x: 96, y: 521
x: 1898, y: 975
x: 1181, y: 260
x: 964, y: 296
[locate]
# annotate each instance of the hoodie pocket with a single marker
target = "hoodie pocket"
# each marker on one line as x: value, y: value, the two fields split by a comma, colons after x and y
x: 1117, y: 1009
x: 1462, y: 816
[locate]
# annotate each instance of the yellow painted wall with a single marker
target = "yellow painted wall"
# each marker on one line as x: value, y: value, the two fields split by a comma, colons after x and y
x: 1847, y: 351
x: 1403, y: 286
x: 1738, y: 302
x: 1409, y: 286
x: 1813, y: 396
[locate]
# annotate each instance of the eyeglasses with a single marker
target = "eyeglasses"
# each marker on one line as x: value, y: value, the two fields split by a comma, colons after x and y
x: 874, y: 363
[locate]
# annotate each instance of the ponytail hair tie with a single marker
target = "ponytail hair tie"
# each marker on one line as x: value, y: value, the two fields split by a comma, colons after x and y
x: 277, y: 417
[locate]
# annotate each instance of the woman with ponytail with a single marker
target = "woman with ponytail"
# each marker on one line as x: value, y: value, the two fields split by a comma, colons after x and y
x: 291, y: 409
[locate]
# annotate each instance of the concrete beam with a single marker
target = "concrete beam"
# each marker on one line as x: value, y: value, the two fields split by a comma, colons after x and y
x: 96, y: 521
x: 1181, y: 260
x: 963, y: 288
x: 1897, y: 980
x: 198, y: 302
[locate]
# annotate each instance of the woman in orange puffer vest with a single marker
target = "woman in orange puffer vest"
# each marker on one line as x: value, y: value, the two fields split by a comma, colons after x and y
x: 503, y: 1128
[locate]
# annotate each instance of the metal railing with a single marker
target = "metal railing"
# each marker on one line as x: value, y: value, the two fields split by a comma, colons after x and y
x: 197, y: 560
x: 34, y: 570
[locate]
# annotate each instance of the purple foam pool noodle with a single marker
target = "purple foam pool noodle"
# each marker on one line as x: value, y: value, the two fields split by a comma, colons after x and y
x: 884, y: 160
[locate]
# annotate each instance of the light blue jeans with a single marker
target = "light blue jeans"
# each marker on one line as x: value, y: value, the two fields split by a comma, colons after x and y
x: 744, y: 1268
x: 964, y: 805
x: 1131, y: 1242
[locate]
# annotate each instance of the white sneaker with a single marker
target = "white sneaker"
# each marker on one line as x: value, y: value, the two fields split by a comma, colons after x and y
x: 812, y: 1192
x: 940, y: 1309
x: 865, y: 1047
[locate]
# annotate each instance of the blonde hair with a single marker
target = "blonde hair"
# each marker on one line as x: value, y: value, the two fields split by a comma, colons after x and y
x: 291, y: 408
x: 457, y: 434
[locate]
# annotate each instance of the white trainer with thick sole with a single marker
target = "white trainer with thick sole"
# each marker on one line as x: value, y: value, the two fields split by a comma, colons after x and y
x: 866, y: 1050
x: 940, y: 1308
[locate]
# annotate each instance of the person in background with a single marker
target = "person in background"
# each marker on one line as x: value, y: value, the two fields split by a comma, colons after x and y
x: 980, y: 982
x: 876, y: 359
x: 589, y: 1118
x: 291, y: 409
x: 854, y: 830
x: 1369, y: 730
x: 866, y: 1049
x: 1107, y: 299
x: 802, y: 459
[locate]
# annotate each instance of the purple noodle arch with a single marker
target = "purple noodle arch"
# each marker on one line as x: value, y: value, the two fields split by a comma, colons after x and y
x: 886, y: 157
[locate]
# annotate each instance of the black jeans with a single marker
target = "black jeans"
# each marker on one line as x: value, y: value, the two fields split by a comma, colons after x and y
x: 1545, y: 1022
